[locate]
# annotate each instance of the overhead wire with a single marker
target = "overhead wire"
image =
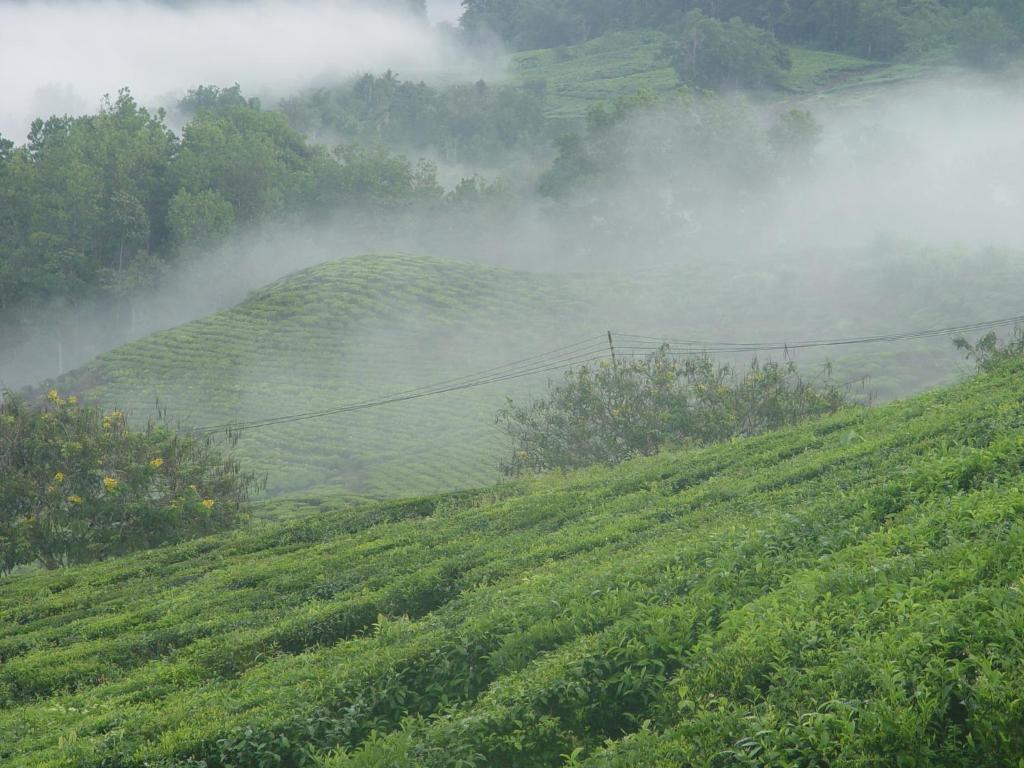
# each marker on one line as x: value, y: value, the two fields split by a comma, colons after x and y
x: 594, y: 349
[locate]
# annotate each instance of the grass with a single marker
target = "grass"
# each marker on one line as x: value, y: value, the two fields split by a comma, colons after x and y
x: 847, y: 592
x: 353, y: 330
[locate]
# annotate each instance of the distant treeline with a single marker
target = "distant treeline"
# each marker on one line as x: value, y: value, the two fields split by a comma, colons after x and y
x: 101, y: 204
x: 984, y: 31
x: 474, y: 123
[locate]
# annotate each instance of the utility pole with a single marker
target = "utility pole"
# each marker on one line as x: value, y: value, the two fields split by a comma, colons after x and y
x: 611, y: 348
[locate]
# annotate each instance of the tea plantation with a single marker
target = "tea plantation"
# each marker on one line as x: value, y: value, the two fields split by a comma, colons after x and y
x: 367, y: 327
x: 619, y: 64
x: 848, y: 592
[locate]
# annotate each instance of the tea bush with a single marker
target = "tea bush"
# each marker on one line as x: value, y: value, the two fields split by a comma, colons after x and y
x: 845, y: 592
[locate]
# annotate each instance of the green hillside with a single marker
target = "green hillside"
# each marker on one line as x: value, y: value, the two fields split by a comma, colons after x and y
x: 619, y: 64
x: 358, y: 329
x: 848, y: 592
x: 348, y: 332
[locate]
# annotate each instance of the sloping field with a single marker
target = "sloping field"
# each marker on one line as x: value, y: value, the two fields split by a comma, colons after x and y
x: 616, y: 65
x: 348, y: 332
x: 849, y: 592
x: 619, y: 64
x: 363, y: 328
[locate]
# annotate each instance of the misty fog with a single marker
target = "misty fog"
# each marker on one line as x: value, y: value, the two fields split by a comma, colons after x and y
x: 935, y: 163
x: 62, y: 56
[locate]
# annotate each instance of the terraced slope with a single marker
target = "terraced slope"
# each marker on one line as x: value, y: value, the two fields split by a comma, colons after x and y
x: 619, y: 64
x: 348, y: 332
x: 357, y: 329
x: 844, y: 593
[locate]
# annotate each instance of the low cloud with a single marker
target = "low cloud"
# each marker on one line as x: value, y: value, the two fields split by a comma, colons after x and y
x: 68, y: 53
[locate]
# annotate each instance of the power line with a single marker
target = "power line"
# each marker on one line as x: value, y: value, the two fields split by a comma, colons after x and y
x: 577, y: 354
x: 718, y: 347
x: 594, y: 349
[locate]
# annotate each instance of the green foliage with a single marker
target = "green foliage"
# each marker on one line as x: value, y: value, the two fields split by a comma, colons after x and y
x: 794, y: 137
x: 602, y: 70
x: 198, y: 220
x: 875, y: 29
x: 713, y: 54
x: 699, y: 144
x: 984, y: 40
x: 94, y: 207
x: 77, y: 485
x: 846, y: 591
x: 988, y: 352
x: 613, y: 412
x: 477, y: 123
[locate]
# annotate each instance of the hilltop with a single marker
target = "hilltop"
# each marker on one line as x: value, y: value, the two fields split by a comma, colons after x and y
x: 844, y: 592
x: 357, y: 329
x: 344, y: 332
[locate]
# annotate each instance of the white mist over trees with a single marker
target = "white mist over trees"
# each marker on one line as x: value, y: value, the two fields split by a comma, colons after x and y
x: 82, y: 50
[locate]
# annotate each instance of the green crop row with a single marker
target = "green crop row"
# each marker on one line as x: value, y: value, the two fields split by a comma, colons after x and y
x: 844, y: 592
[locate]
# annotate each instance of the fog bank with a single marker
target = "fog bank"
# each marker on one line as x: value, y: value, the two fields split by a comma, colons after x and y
x: 62, y: 56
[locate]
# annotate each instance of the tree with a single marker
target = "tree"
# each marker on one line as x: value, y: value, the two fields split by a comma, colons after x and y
x: 78, y: 484
x: 713, y: 54
x: 199, y: 219
x: 983, y: 39
x: 794, y: 137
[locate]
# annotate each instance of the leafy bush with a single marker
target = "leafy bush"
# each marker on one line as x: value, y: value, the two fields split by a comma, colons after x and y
x: 989, y: 352
x: 609, y: 413
x: 77, y: 484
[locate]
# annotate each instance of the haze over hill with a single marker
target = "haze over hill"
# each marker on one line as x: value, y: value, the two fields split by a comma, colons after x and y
x: 931, y: 162
x: 364, y: 328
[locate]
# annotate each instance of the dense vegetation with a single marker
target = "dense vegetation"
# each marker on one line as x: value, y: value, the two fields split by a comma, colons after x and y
x: 102, y: 203
x: 77, y: 484
x: 984, y: 32
x: 842, y: 592
x: 610, y: 412
x: 474, y: 123
x: 402, y: 322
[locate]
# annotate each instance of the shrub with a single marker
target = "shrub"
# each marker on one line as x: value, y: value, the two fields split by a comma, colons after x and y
x: 989, y: 352
x: 78, y: 484
x: 609, y: 413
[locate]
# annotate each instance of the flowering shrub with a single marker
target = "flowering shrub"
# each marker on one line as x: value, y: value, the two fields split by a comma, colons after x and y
x: 78, y: 484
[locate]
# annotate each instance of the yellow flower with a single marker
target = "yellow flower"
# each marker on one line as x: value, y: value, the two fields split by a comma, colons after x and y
x: 106, y: 423
x: 156, y: 463
x: 54, y: 397
x: 208, y: 503
x: 75, y: 499
x: 72, y: 400
x: 59, y: 477
x: 109, y: 483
